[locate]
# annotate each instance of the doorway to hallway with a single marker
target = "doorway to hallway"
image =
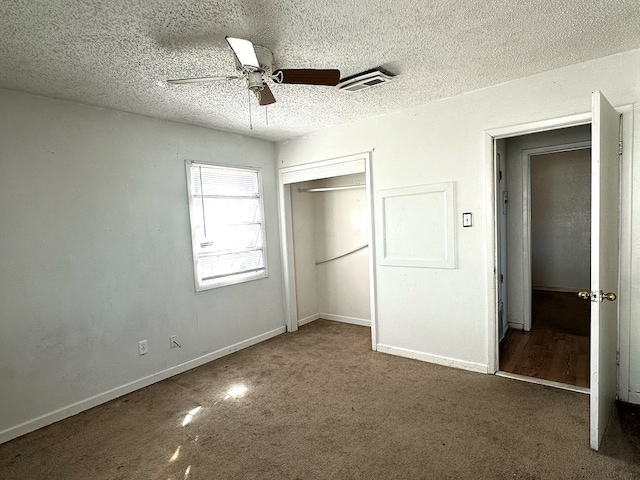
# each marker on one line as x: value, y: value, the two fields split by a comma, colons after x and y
x: 545, y: 252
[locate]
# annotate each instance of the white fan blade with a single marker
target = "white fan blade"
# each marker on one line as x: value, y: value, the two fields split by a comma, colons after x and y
x: 181, y: 81
x: 244, y: 52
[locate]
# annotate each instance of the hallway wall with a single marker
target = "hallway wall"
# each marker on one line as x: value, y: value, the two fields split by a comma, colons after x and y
x: 561, y: 221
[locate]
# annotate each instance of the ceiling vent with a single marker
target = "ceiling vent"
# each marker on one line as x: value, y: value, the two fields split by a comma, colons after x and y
x: 367, y: 79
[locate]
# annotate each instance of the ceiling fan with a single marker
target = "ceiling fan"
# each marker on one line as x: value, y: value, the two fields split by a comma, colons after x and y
x: 255, y: 63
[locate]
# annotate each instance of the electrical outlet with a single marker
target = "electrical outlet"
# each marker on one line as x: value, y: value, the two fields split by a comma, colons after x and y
x: 172, y: 341
x: 142, y: 347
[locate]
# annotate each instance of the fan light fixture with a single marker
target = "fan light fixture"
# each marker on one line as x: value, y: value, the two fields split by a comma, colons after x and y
x: 254, y: 63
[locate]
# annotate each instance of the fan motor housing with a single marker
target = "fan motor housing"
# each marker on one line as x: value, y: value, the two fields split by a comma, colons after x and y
x: 254, y: 81
x: 265, y: 59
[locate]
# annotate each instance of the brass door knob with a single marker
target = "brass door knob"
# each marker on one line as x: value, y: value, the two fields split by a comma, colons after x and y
x: 584, y: 295
x: 609, y: 296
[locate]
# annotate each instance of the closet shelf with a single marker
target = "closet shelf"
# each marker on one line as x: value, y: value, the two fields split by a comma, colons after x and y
x: 330, y: 189
x: 343, y: 255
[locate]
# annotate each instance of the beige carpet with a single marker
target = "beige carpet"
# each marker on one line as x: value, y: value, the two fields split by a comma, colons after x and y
x: 320, y: 404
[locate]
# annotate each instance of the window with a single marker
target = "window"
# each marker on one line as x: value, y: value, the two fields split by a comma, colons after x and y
x: 227, y: 228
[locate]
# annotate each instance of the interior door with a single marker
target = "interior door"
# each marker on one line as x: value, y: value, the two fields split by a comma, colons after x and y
x: 605, y: 181
x: 501, y: 199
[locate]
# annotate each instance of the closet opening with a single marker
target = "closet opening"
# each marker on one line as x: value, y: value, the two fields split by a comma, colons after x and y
x: 328, y: 242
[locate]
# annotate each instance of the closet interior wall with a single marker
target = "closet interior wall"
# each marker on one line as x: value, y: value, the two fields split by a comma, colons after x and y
x: 328, y: 224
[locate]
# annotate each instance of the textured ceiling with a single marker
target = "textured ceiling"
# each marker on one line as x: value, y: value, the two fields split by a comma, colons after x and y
x: 118, y: 53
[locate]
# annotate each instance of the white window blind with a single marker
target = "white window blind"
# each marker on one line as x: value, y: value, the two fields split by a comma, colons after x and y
x: 227, y: 227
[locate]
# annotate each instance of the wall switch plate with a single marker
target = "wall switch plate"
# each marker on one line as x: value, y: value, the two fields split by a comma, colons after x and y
x: 172, y: 341
x: 142, y: 347
x: 466, y: 220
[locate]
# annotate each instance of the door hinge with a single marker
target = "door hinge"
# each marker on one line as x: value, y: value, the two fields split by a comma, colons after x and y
x: 617, y: 358
x: 621, y: 137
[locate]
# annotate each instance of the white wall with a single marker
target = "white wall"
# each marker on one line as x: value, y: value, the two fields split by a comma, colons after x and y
x: 327, y: 224
x: 515, y: 148
x: 561, y: 220
x: 442, y: 315
x: 342, y: 224
x: 96, y: 255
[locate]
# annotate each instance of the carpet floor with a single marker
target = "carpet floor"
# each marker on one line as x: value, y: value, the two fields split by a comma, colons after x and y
x: 319, y: 404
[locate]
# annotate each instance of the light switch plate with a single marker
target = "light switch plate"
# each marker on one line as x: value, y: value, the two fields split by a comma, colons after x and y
x: 466, y: 220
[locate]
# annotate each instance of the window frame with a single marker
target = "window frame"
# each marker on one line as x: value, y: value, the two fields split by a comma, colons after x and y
x: 234, y: 278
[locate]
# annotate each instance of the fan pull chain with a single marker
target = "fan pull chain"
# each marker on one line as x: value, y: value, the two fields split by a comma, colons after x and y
x: 266, y: 115
x: 250, y: 118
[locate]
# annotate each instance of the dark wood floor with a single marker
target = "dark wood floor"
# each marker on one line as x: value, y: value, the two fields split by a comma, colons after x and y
x: 551, y: 350
x: 541, y: 353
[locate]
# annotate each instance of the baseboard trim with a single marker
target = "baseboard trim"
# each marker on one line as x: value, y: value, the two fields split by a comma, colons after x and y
x: 541, y: 381
x: 309, y: 319
x: 437, y: 359
x: 64, y: 412
x: 344, y: 319
x: 555, y: 289
x: 516, y: 326
x: 634, y: 397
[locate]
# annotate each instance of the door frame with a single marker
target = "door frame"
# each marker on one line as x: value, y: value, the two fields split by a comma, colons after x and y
x: 526, y: 219
x: 336, y: 167
x: 491, y: 204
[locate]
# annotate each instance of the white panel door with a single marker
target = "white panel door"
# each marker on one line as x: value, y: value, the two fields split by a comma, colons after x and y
x: 605, y: 181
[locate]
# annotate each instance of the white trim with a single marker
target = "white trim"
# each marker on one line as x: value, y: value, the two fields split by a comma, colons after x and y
x: 344, y: 319
x: 491, y: 257
x: 430, y: 358
x: 373, y: 304
x: 309, y: 319
x: 634, y: 397
x: 77, y: 407
x: 288, y: 261
x: 526, y: 219
x: 446, y: 192
x: 541, y: 381
x: 516, y: 326
x: 557, y: 289
x: 540, y: 126
x: 491, y: 225
x: 626, y: 247
x: 335, y: 167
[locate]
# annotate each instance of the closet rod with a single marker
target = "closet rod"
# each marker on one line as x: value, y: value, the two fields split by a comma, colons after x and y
x: 330, y: 189
x: 343, y: 255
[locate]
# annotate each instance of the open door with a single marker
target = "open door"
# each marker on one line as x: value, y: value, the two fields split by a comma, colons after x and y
x: 605, y: 181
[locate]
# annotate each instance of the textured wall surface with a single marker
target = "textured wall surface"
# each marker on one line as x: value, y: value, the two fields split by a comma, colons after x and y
x: 96, y: 253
